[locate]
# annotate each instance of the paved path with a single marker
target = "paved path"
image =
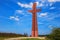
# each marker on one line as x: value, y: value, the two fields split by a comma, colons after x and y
x: 19, y: 38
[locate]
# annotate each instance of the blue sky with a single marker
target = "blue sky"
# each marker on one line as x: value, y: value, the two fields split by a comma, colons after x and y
x: 15, y: 18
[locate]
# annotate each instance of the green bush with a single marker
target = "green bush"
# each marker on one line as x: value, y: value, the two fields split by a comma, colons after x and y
x: 55, y: 34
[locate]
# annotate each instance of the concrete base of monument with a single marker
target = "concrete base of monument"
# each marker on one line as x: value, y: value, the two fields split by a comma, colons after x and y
x: 17, y: 38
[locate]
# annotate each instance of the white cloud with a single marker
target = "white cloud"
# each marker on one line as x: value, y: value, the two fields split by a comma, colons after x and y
x: 51, y: 4
x: 53, y: 0
x: 25, y: 5
x: 52, y: 8
x: 50, y: 26
x: 30, y: 5
x: 43, y: 1
x: 37, y: 3
x: 40, y: 23
x: 11, y: 17
x: 41, y: 4
x: 14, y: 18
x: 19, y: 11
x: 22, y: 5
x: 52, y: 16
x: 43, y: 14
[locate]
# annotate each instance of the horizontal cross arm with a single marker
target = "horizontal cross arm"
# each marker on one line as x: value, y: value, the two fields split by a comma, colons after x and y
x: 30, y: 10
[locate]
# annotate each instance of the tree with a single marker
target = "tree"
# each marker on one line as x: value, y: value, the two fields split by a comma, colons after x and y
x: 55, y: 34
x: 25, y: 34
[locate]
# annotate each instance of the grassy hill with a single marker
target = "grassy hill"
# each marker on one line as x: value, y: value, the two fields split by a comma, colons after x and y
x: 10, y: 35
x: 13, y: 35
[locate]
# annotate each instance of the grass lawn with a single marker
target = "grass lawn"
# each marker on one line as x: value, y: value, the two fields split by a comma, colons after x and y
x: 31, y: 39
x: 1, y: 38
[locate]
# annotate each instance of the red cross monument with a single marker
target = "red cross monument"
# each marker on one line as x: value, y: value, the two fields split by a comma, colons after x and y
x: 34, y: 20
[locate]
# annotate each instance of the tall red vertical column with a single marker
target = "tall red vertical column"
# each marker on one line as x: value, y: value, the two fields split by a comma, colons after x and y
x: 34, y: 21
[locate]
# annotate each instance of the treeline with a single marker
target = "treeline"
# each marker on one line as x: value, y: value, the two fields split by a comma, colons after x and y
x: 43, y: 35
x: 17, y: 35
x: 12, y: 35
x: 54, y: 35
